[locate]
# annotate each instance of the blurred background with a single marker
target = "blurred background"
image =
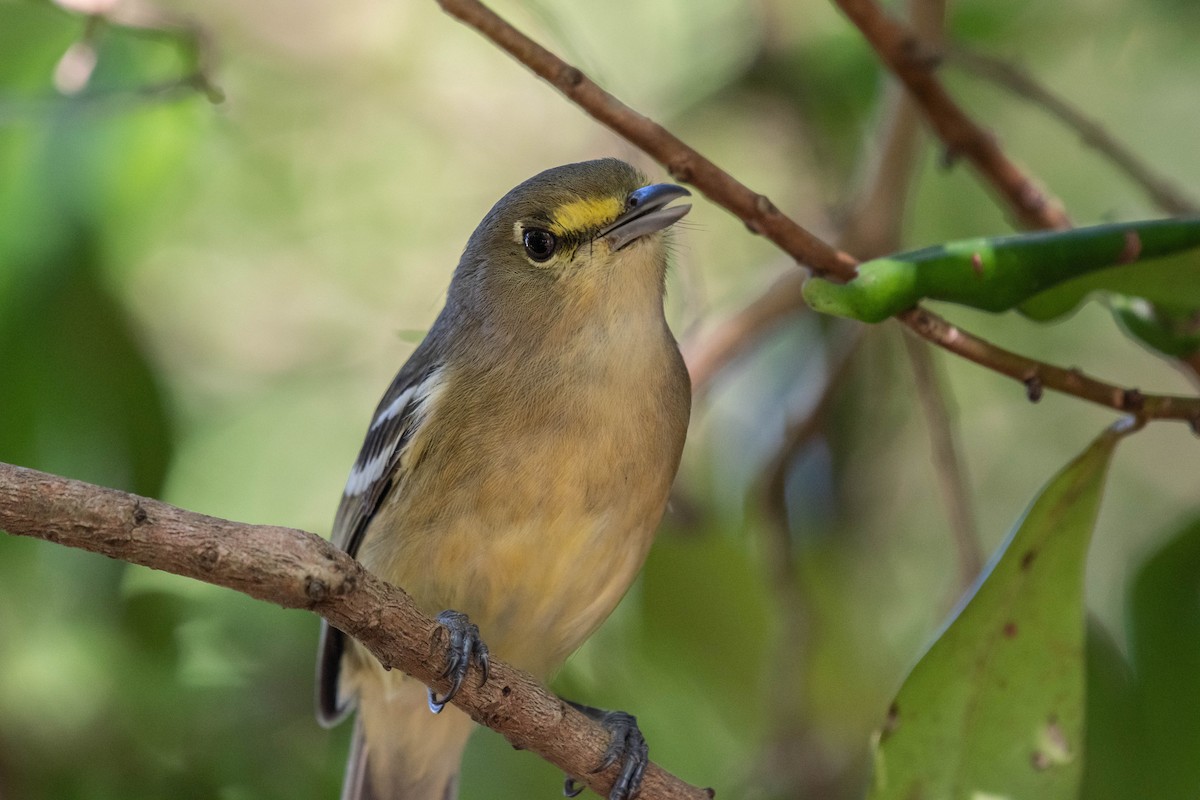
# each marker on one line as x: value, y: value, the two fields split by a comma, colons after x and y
x: 203, y: 301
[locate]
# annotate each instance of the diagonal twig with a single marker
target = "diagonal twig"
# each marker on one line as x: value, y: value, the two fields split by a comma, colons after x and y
x: 684, y: 163
x: 1037, y: 375
x: 902, y: 51
x: 761, y: 216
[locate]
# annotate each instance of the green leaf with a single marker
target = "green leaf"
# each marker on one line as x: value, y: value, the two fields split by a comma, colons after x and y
x: 79, y: 396
x: 1165, y: 649
x: 1112, y: 768
x: 1173, y: 280
x: 1001, y: 273
x: 1174, y: 332
x: 995, y: 708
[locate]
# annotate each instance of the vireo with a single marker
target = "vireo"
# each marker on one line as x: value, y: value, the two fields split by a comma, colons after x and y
x: 516, y: 468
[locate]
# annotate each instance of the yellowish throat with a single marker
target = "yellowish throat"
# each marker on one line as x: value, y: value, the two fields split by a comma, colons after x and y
x: 516, y: 469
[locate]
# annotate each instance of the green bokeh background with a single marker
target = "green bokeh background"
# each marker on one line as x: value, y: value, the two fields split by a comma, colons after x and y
x: 203, y: 303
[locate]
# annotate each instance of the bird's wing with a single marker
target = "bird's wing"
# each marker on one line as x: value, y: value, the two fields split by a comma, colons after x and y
x: 377, y: 472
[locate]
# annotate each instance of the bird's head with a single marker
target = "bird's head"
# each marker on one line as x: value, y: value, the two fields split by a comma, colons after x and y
x: 577, y: 236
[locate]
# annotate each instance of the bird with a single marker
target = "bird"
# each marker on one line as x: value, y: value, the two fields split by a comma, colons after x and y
x: 514, y: 473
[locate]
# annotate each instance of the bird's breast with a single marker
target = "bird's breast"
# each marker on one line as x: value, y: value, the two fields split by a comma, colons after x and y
x: 535, y: 499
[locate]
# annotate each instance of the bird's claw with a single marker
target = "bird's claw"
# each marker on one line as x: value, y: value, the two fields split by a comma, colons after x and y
x: 626, y: 745
x: 464, y: 647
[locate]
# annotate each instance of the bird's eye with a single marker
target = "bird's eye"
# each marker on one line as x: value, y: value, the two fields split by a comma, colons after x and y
x: 540, y: 244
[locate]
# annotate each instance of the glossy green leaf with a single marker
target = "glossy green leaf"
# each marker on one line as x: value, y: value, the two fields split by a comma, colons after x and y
x: 995, y: 708
x: 1173, y: 280
x: 1164, y: 645
x: 1001, y: 273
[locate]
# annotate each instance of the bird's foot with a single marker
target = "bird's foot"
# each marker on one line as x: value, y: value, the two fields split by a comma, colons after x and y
x: 626, y: 746
x: 464, y: 647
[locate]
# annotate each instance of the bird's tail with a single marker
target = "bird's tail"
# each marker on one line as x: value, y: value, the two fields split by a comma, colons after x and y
x: 400, y: 750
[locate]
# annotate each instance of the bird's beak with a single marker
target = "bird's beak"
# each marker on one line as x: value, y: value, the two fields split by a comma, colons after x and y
x: 645, y: 212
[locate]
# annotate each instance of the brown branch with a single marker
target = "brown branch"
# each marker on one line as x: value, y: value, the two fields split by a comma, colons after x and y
x: 901, y: 50
x: 762, y: 217
x: 872, y: 228
x: 295, y: 569
x: 684, y: 163
x: 1016, y: 80
x: 1037, y: 375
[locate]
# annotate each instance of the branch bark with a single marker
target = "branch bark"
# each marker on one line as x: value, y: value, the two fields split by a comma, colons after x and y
x: 295, y: 569
x: 902, y: 51
x: 684, y: 163
x: 761, y: 216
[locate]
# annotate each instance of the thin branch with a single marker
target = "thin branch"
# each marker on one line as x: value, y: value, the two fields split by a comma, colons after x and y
x: 295, y: 569
x: 872, y: 229
x: 902, y: 51
x: 685, y: 164
x: 1009, y: 76
x: 1037, y: 375
x: 947, y: 462
x: 878, y: 227
x: 761, y: 216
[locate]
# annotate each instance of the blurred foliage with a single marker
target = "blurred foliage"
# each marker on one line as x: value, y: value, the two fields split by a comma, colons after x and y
x: 204, y: 302
x: 1171, y: 329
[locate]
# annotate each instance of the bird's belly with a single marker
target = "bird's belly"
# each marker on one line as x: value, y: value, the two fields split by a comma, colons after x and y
x: 531, y: 510
x: 538, y: 589
x: 537, y: 565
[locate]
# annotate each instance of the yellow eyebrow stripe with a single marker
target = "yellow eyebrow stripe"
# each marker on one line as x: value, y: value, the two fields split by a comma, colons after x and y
x: 584, y: 215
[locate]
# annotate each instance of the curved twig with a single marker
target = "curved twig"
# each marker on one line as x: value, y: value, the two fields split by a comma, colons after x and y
x: 901, y: 50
